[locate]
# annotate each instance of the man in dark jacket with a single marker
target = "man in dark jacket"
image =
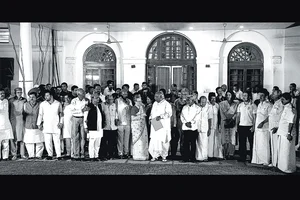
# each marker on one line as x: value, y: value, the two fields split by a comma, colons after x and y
x: 94, y: 121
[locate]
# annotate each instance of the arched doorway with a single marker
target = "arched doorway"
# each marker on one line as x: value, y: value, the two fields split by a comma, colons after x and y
x: 99, y: 65
x: 171, y: 59
x: 245, y: 66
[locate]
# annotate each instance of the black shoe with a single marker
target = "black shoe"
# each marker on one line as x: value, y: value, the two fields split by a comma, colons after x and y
x: 120, y: 157
x: 103, y: 159
x: 59, y: 158
x: 125, y: 156
x: 49, y: 158
x: 5, y: 159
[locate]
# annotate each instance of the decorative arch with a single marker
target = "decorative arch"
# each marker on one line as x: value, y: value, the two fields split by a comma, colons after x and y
x: 99, y: 65
x: 245, y: 66
x: 171, y: 59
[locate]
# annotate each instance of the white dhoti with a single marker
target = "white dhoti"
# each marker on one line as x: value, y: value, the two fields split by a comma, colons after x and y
x: 273, y: 140
x: 286, y: 161
x: 261, y: 147
x: 202, y: 146
x: 159, y: 142
x: 214, y: 144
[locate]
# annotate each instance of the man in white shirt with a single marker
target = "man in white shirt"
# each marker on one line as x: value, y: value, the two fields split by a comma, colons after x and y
x: 136, y: 88
x: 109, y: 89
x: 97, y: 89
x: 204, y: 129
x: 274, y: 118
x: 246, y: 115
x: 238, y: 93
x: 189, y: 117
x: 160, y: 139
x: 286, y: 159
x: 50, y: 121
x: 90, y: 91
x: 224, y: 90
x: 261, y: 139
x: 79, y: 105
x: 110, y: 128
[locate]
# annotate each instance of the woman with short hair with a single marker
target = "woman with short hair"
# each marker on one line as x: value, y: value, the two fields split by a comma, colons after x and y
x: 228, y: 112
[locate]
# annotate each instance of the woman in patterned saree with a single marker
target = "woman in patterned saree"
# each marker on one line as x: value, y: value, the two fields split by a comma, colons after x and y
x: 228, y: 111
x: 139, y: 130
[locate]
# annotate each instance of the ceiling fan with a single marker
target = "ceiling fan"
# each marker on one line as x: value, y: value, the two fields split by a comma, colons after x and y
x: 108, y: 40
x: 224, y: 39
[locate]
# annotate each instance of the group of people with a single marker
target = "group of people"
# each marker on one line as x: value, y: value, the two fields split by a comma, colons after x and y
x: 104, y: 123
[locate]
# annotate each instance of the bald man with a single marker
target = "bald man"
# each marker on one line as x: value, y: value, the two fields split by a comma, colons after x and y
x: 78, y: 136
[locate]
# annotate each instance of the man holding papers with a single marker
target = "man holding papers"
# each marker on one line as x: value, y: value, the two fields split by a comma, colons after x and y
x: 160, y: 131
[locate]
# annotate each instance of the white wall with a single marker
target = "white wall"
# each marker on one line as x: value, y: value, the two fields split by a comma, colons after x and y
x: 132, y: 51
x: 7, y: 50
x: 291, y: 58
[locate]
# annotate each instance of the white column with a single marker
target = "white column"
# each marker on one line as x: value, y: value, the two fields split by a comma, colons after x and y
x: 26, y: 56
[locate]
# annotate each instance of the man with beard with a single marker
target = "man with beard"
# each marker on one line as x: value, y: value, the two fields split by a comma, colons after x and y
x: 179, y: 103
x: 33, y: 137
x: 16, y: 105
x: 123, y: 106
x: 50, y: 121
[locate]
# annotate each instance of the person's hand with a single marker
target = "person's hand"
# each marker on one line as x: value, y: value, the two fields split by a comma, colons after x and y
x: 116, y: 122
x: 208, y: 132
x: 260, y: 125
x: 59, y: 125
x: 86, y: 130
x: 294, y: 110
x: 40, y: 127
x: 289, y: 137
x: 158, y: 118
x: 252, y: 129
x: 274, y: 130
x: 188, y: 124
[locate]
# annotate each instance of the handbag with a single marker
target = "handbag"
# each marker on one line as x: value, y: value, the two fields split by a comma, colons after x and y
x: 229, y: 123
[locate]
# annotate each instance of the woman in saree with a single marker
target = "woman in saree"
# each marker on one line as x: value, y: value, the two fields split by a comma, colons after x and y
x: 139, y: 130
x: 228, y: 112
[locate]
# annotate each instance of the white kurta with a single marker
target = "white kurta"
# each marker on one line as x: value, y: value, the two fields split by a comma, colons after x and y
x: 286, y: 152
x: 274, y: 118
x: 49, y: 115
x: 261, y: 141
x: 214, y: 139
x: 202, y: 141
x: 67, y: 128
x: 160, y: 139
x: 5, y: 125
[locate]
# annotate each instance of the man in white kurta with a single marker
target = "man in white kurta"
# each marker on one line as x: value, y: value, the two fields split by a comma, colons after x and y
x: 50, y: 121
x: 6, y: 132
x: 261, y: 140
x: 274, y: 118
x: 286, y: 153
x: 204, y: 129
x: 33, y: 136
x: 160, y: 139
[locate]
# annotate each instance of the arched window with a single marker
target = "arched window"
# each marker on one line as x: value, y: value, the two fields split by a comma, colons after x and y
x: 99, y: 65
x: 171, y: 59
x: 245, y: 66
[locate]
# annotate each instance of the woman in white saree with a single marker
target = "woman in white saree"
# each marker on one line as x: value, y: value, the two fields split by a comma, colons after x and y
x: 139, y: 131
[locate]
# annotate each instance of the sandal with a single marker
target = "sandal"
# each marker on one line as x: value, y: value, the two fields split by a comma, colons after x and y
x: 164, y: 160
x: 154, y: 159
